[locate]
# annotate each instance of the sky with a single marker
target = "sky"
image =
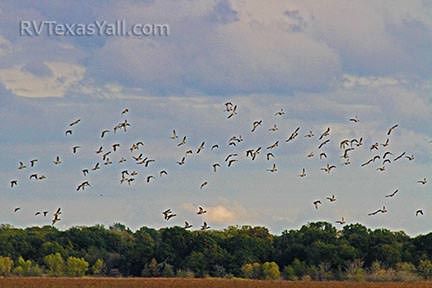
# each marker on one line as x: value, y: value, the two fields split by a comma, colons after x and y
x: 321, y: 63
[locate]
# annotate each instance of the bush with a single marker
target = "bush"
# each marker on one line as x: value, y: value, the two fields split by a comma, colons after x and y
x: 55, y: 264
x: 98, y: 267
x: 27, y: 268
x: 289, y: 273
x: 425, y: 269
x: 270, y: 271
x: 185, y: 273
x: 76, y: 267
x: 6, y: 265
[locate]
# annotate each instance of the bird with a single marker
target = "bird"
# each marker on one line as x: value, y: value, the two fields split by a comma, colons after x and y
x: 386, y: 143
x: 55, y: 219
x: 255, y: 125
x: 293, y: 135
x: 230, y: 162
x: 100, y: 150
x: 269, y: 154
x: 328, y: 168
x: 75, y: 149
x: 344, y: 143
x: 205, y: 226
x: 382, y: 168
x: 410, y: 157
x: 166, y: 213
x: 125, y: 110
x: 173, y: 135
x: 323, y: 143
x: 424, y: 181
x: 182, y: 161
x: 419, y: 212
x: 149, y: 178
x: 391, y: 129
x: 187, y: 225
x: 163, y: 172
x: 33, y: 176
x: 215, y: 146
x: 309, y: 134
x: 323, y: 155
x: 105, y: 155
x: 57, y: 161
x: 21, y: 165
x: 273, y: 169
x: 392, y: 194
x: 201, y: 210
x: 399, y: 157
x: 325, y: 133
x: 316, y: 203
x: 104, y: 132
x: 96, y: 167
x: 182, y: 142
x: 382, y: 210
x: 374, y: 146
x: 311, y: 154
x: 354, y: 119
x: 280, y: 113
x: 215, y: 165
x: 274, y: 128
x: 302, y: 173
x: 386, y: 154
x: 83, y: 185
x: 115, y: 146
x: 345, y: 155
x: 341, y: 222
x: 203, y: 184
x: 75, y: 122
x: 68, y: 132
x: 201, y: 147
x: 332, y: 198
x: 231, y: 155
x: 33, y: 162
x: 274, y: 145
x: 170, y: 216
x: 85, y: 172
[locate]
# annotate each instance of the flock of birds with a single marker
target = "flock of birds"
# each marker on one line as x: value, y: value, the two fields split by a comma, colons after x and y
x: 380, y: 153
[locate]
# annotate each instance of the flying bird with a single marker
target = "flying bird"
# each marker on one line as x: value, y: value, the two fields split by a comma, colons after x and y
x: 325, y: 133
x: 419, y: 212
x: 316, y: 203
x: 75, y: 122
x: 75, y: 149
x: 104, y: 132
x: 392, y: 194
x: 273, y: 169
x: 201, y: 210
x: 391, y: 129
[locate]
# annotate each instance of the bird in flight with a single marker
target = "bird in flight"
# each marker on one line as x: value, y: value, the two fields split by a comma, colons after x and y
x: 173, y: 135
x: 215, y: 165
x: 74, y: 122
x: 57, y: 161
x: 17, y: 209
x: 68, y: 132
x: 341, y: 222
x: 382, y: 210
x: 332, y: 198
x: 273, y: 169
x: 302, y: 173
x: 328, y: 168
x: 354, y: 119
x: 104, y: 132
x: 391, y: 129
x: 201, y: 210
x: 187, y: 225
x: 280, y: 113
x: 316, y: 203
x: 205, y: 226
x: 274, y: 128
x: 255, y: 125
x: 424, y: 181
x: 203, y: 184
x: 325, y: 133
x: 21, y: 165
x: 83, y: 185
x: 182, y: 142
x: 419, y: 212
x: 75, y: 149
x: 392, y: 194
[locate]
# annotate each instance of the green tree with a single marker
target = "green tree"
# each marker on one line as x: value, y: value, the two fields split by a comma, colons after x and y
x: 270, y: 271
x: 26, y: 268
x: 76, y: 267
x: 6, y: 265
x: 425, y: 269
x: 98, y: 267
x: 55, y: 264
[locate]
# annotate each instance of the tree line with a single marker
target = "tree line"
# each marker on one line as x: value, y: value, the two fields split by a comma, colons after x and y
x: 316, y: 251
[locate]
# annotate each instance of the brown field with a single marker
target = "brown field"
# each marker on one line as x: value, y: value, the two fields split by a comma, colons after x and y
x: 186, y: 283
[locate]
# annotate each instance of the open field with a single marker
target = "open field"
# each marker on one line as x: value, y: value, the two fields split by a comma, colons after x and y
x: 187, y: 283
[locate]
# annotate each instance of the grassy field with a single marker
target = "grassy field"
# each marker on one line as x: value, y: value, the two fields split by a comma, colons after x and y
x: 185, y: 283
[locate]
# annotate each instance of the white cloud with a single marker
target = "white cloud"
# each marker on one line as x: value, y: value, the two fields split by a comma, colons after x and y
x: 24, y: 83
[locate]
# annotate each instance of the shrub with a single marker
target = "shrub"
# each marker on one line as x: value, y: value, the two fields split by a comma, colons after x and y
x: 270, y: 271
x: 55, y: 264
x: 76, y: 267
x: 6, y: 265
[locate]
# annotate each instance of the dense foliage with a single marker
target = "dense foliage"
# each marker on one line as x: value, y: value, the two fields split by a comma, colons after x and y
x: 317, y: 251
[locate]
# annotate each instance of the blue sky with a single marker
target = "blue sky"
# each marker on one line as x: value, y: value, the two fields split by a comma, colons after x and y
x: 322, y: 63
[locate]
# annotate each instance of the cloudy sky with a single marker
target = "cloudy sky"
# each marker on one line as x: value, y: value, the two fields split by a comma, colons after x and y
x: 322, y: 63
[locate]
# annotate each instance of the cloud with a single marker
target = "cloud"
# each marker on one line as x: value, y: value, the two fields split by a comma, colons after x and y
x: 22, y: 82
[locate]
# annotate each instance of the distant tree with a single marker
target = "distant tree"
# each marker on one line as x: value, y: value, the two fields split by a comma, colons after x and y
x: 151, y: 269
x: 6, y: 265
x: 270, y: 271
x: 98, y: 267
x: 55, y: 264
x: 247, y: 270
x: 289, y: 274
x: 425, y: 269
x: 76, y: 267
x: 26, y: 268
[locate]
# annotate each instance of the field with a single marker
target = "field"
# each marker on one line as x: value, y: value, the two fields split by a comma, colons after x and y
x: 186, y: 283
